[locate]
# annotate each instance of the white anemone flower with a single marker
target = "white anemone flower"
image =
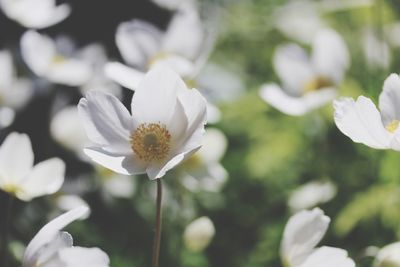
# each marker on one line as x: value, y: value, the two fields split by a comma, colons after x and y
x: 307, y: 82
x: 198, y: 234
x: 42, y: 57
x: 35, y: 14
x: 52, y: 247
x: 166, y: 125
x: 363, y: 123
x: 302, y: 233
x: 19, y: 177
x: 388, y: 256
x: 14, y: 92
x: 203, y: 170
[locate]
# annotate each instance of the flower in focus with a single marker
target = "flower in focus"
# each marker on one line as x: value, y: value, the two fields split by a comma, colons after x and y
x: 202, y: 171
x: 14, y: 92
x: 166, y: 125
x: 42, y: 57
x: 51, y: 247
x: 198, y: 234
x: 311, y: 194
x: 363, y: 123
x: 19, y: 177
x: 388, y: 256
x: 307, y: 83
x: 302, y: 233
x: 35, y: 14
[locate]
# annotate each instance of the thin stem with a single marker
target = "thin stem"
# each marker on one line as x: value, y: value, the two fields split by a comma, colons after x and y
x: 157, y: 235
x: 4, y: 240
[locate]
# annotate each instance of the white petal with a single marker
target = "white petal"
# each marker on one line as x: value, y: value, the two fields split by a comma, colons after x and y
x: 180, y: 65
x: 361, y: 121
x: 293, y: 67
x: 123, y: 75
x: 214, y: 146
x: 71, y: 72
x: 198, y: 234
x: 388, y: 256
x: 158, y: 171
x: 37, y: 51
x: 70, y: 202
x: 295, y: 106
x: 376, y: 51
x: 48, y: 233
x: 127, y: 165
x: 7, y: 116
x: 328, y: 257
x: 138, y: 41
x: 303, y: 232
x: 178, y: 124
x: 155, y: 99
x: 16, y: 158
x: 61, y: 240
x: 45, y: 178
x: 79, y: 257
x: 7, y: 69
x: 169, y: 4
x: 389, y: 99
x: 107, y: 122
x: 18, y: 94
x: 330, y: 56
x: 119, y: 186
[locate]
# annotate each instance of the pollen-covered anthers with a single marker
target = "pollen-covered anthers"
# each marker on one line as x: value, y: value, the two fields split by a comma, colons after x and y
x: 151, y: 142
x: 317, y: 83
x: 392, y: 126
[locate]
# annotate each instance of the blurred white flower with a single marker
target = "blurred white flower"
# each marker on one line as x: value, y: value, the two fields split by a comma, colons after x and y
x: 52, y: 247
x: 171, y: 4
x: 42, y: 57
x: 14, y: 92
x: 35, y: 14
x: 311, y: 194
x: 69, y: 202
x: 203, y: 170
x: 376, y: 51
x: 388, y: 256
x: 302, y: 233
x: 198, y: 234
x: 115, y: 185
x: 19, y: 177
x: 363, y: 123
x: 307, y: 83
x: 166, y: 125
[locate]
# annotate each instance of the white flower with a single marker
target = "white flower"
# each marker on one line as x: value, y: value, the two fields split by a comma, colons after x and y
x: 166, y: 125
x: 19, y: 177
x: 388, y: 256
x: 198, y: 234
x: 302, y: 233
x: 171, y: 4
x: 311, y: 194
x: 363, y: 123
x: 14, y: 92
x: 307, y: 83
x: 36, y: 14
x: 40, y: 54
x: 51, y: 247
x: 202, y: 171
x: 376, y: 51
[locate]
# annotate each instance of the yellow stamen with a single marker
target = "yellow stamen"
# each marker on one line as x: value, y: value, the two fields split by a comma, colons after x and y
x: 151, y: 142
x: 11, y: 188
x: 392, y: 126
x: 58, y: 59
x: 157, y: 57
x: 316, y: 84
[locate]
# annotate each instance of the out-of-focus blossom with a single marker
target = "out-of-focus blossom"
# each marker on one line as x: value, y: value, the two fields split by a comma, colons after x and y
x: 35, y: 14
x: 69, y: 202
x: 166, y: 125
x: 376, y: 51
x: 14, y: 92
x: 52, y: 247
x: 363, y: 123
x: 42, y: 57
x: 19, y: 177
x: 203, y: 170
x: 392, y: 34
x: 171, y: 4
x: 311, y: 194
x: 302, y: 233
x: 116, y: 185
x: 307, y: 82
x: 198, y: 234
x: 388, y: 256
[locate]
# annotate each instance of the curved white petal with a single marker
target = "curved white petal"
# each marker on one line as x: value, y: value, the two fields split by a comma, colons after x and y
x: 45, y: 178
x: 138, y: 42
x: 123, y: 164
x: 158, y: 171
x: 178, y: 124
x: 7, y: 116
x: 16, y: 158
x: 295, y: 106
x: 302, y: 233
x: 48, y: 233
x: 388, y: 256
x: 389, y: 99
x: 293, y: 67
x: 61, y: 240
x: 107, y: 122
x: 123, y: 75
x: 328, y: 257
x: 169, y: 4
x: 214, y: 146
x: 361, y: 121
x: 37, y: 51
x: 330, y: 56
x: 79, y: 257
x: 71, y: 72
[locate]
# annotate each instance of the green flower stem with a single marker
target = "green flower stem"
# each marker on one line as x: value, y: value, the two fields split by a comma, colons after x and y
x: 5, y: 235
x: 157, y: 236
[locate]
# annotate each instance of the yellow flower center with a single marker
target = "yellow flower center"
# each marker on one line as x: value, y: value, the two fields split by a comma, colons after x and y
x: 11, y: 188
x: 151, y: 142
x: 155, y: 58
x: 58, y: 59
x: 316, y: 84
x: 392, y: 126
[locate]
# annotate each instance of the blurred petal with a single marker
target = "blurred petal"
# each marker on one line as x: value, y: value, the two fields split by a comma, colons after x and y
x: 180, y: 65
x: 79, y: 257
x: 7, y: 69
x: 71, y: 72
x: 328, y: 257
x: 7, y: 116
x: 119, y: 186
x: 389, y: 99
x: 123, y: 75
x: 214, y: 146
